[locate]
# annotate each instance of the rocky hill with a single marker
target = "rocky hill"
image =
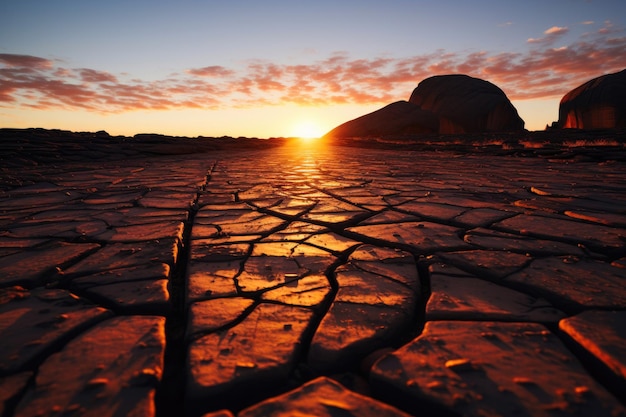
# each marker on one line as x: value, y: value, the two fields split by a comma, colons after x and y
x: 441, y: 104
x: 597, y: 104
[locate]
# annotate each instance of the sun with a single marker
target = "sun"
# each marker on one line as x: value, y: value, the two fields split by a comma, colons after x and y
x: 307, y: 130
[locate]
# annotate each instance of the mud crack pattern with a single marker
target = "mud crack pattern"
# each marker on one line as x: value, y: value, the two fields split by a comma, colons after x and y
x: 373, y: 282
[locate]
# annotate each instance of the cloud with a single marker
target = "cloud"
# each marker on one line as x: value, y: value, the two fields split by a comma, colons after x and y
x: 93, y: 76
x: 211, y: 71
x: 556, y: 30
x: 25, y: 61
x: 539, y: 72
x: 608, y: 28
x: 552, y: 34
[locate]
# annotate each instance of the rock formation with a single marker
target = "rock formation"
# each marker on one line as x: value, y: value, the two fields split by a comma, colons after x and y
x: 396, y: 118
x: 440, y: 104
x: 466, y: 105
x: 597, y: 104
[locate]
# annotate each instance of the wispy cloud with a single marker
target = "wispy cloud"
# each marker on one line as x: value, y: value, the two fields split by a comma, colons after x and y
x: 540, y: 72
x: 24, y: 61
x: 551, y: 35
x: 609, y: 28
x: 211, y: 71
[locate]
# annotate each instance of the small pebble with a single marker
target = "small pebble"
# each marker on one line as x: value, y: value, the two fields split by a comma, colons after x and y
x: 459, y: 365
x: 97, y: 383
x: 245, y: 365
x: 521, y: 380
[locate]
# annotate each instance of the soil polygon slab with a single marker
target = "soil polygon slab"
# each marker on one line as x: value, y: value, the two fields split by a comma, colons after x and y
x: 331, y: 242
x: 11, y: 386
x: 208, y: 316
x: 491, y: 264
x: 65, y: 229
x: 328, y: 217
x: 464, y: 298
x: 490, y: 239
x: 425, y: 237
x: 260, y: 350
x: 389, y: 217
x: 598, y: 237
x: 362, y: 287
x: 321, y: 397
x: 477, y: 217
x: 32, y: 323
x: 399, y: 268
x: 207, y: 251
x: 112, y: 369
x: 138, y: 297
x: 212, y: 279
x: 603, y: 334
x: 35, y: 266
x: 490, y: 368
x: 167, y: 200
x: 264, y: 272
x: 438, y: 211
x: 153, y: 272
x: 608, y: 219
x: 122, y: 255
x: 48, y: 199
x: 574, y: 284
x: 309, y: 291
x: 348, y: 332
x: 150, y: 231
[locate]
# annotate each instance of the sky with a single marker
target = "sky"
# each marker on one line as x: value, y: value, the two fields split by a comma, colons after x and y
x: 286, y: 68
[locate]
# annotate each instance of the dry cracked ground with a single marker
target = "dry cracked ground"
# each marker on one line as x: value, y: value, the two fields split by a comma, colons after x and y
x: 305, y: 280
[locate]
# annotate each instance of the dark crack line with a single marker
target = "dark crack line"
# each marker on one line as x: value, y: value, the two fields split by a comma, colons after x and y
x: 169, y: 399
x: 321, y: 311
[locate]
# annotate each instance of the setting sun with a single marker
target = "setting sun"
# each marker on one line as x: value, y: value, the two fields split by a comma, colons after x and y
x: 307, y: 130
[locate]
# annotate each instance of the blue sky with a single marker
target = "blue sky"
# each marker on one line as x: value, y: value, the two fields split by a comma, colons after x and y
x: 270, y: 68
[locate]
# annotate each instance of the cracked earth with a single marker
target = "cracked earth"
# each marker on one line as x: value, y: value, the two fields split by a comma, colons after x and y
x: 321, y: 280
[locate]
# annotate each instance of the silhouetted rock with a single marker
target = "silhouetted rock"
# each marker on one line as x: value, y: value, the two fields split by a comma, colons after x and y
x: 597, y: 104
x: 466, y: 105
x: 441, y: 104
x: 396, y: 118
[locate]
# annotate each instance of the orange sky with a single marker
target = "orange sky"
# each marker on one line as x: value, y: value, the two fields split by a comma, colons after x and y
x: 277, y: 80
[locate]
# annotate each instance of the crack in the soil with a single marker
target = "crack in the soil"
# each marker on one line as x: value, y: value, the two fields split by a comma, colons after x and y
x: 169, y: 399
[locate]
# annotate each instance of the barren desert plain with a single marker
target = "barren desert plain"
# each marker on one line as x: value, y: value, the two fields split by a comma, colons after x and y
x: 440, y: 275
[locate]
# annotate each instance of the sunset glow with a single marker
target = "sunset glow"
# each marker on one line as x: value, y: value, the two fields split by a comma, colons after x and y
x: 223, y: 69
x: 308, y: 130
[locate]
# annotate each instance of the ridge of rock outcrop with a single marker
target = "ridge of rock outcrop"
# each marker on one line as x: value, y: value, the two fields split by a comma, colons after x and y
x: 397, y: 118
x: 599, y: 103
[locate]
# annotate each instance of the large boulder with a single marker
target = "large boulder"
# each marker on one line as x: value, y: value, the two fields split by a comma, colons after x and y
x: 440, y: 104
x: 397, y: 118
x: 597, y: 104
x: 466, y: 105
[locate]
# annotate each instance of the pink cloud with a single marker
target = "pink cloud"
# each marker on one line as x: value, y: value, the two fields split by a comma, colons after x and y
x: 25, y: 61
x: 609, y: 28
x: 93, y: 76
x: 551, y: 35
x: 211, y: 71
x: 540, y: 72
x: 556, y: 30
